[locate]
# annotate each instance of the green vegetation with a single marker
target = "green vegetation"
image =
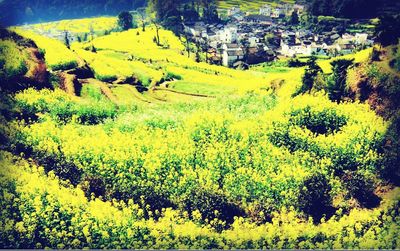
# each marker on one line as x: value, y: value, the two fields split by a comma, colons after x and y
x: 12, y: 60
x: 337, y: 83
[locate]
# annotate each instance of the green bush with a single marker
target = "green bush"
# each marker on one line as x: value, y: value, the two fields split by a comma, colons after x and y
x: 12, y: 60
x: 314, y: 197
x: 211, y: 205
x: 361, y: 187
x: 172, y: 76
x: 326, y: 121
x: 63, y: 66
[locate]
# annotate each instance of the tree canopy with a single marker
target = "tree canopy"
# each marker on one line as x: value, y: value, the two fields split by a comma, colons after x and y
x: 348, y: 8
x: 125, y: 20
x: 387, y: 31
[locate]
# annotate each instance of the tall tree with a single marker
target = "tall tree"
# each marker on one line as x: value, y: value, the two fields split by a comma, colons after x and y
x: 210, y: 11
x: 166, y: 13
x: 142, y: 14
x: 387, y: 32
x: 66, y: 39
x: 310, y: 75
x: 337, y: 82
x: 294, y: 18
x: 189, y: 13
x: 125, y: 20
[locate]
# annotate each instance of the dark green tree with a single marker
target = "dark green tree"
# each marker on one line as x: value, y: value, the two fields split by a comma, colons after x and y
x: 190, y: 13
x: 125, y: 20
x: 310, y: 74
x: 336, y: 87
x: 294, y: 18
x: 387, y: 32
x: 210, y: 11
x: 66, y: 40
x: 314, y: 198
x: 345, y: 8
x: 166, y: 13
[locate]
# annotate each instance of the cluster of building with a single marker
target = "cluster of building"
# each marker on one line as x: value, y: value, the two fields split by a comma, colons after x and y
x: 256, y: 38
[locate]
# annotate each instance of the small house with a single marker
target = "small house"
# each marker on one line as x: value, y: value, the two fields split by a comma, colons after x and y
x: 265, y: 10
x: 231, y: 53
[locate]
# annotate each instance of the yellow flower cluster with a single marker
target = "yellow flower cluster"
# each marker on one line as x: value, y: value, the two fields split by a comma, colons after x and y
x: 38, y: 211
x: 57, y: 55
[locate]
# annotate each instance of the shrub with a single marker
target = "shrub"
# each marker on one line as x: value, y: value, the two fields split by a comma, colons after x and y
x: 93, y: 185
x: 314, y: 197
x: 337, y: 88
x: 211, y: 204
x: 319, y: 122
x: 172, y: 76
x: 391, y: 150
x: 361, y: 187
x: 12, y: 61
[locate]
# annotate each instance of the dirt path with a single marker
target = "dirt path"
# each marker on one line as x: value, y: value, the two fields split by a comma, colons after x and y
x: 183, y: 93
x: 137, y: 94
x: 105, y: 90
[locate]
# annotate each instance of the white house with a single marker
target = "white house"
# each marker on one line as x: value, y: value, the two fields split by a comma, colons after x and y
x: 231, y: 53
x: 357, y: 39
x: 228, y: 35
x: 233, y: 11
x: 196, y: 30
x: 265, y: 10
x: 361, y: 38
x: 253, y: 41
x: 212, y: 36
x: 291, y: 50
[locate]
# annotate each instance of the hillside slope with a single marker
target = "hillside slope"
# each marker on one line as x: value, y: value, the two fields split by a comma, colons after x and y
x: 22, y: 63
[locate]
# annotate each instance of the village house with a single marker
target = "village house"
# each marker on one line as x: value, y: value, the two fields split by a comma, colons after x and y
x: 195, y: 30
x: 253, y: 41
x: 233, y: 11
x: 213, y: 56
x: 228, y: 34
x: 258, y: 19
x: 293, y: 49
x: 265, y: 10
x: 239, y: 17
x: 286, y: 8
x: 231, y: 53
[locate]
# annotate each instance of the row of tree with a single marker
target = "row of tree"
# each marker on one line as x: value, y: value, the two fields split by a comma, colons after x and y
x: 172, y: 13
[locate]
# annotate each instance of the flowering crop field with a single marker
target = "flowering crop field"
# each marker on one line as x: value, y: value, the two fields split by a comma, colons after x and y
x: 85, y: 25
x: 156, y: 151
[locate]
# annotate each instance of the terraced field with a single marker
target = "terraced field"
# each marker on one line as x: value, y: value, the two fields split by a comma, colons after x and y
x: 78, y: 26
x: 250, y: 5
